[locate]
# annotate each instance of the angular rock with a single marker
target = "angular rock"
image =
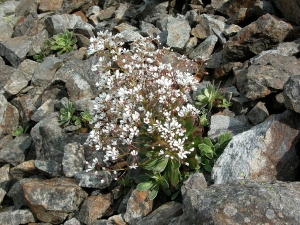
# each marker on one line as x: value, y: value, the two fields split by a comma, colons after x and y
x: 15, y: 49
x: 93, y: 208
x: 163, y: 214
x: 125, y: 26
x: 73, y: 159
x: 262, y: 34
x: 48, y: 168
x: 220, y: 124
x: 9, y: 117
x: 75, y: 5
x: 205, y: 49
x: 26, y: 7
x: 8, y: 8
x: 231, y: 30
x: 2, y: 195
x: 243, y: 202
x: 106, y: 14
x: 291, y: 93
x: 230, y: 7
x: 37, y: 42
x: 24, y: 169
x: 121, y: 14
x: 130, y: 35
x: 290, y: 9
x: 267, y: 75
x: 29, y: 27
x: 6, y: 72
x: 72, y: 221
x: 14, y: 152
x: 6, y: 30
x: 4, y: 141
x: 46, y: 6
x: 52, y: 200
x: 116, y: 219
x: 5, y: 177
x: 148, y: 29
x: 240, y: 105
x: 18, y: 81
x: 207, y: 24
x: 152, y: 12
x: 137, y: 206
x: 21, y: 216
x: 258, y: 113
x: 268, y: 151
x: 43, y: 111
x: 100, y: 180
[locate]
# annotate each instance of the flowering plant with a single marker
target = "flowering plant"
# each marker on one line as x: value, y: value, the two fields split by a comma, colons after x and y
x: 142, y: 117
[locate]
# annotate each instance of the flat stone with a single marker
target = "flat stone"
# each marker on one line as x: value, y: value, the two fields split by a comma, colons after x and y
x: 48, y: 168
x: 100, y: 180
x: 21, y: 216
x: 205, y: 49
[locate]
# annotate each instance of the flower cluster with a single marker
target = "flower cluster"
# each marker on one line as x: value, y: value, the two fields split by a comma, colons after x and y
x: 143, y: 103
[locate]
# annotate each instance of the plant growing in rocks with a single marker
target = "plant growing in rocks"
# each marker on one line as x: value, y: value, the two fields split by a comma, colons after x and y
x: 142, y: 118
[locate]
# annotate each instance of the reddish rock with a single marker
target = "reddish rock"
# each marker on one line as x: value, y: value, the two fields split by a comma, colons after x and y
x: 46, y: 5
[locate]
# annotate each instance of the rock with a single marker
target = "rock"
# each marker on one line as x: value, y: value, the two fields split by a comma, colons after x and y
x: 48, y: 168
x: 52, y: 200
x: 220, y: 124
x: 149, y: 30
x: 205, y: 49
x: 291, y: 93
x: 93, y: 208
x: 230, y: 7
x: 268, y: 151
x: 240, y: 105
x: 29, y: 27
x: 72, y: 221
x: 26, y: 7
x: 4, y: 141
x: 73, y: 159
x: 117, y: 220
x: 163, y: 214
x: 6, y: 72
x: 231, y: 30
x: 43, y: 111
x: 75, y: 5
x: 5, y: 177
x: 15, y: 49
x: 208, y: 23
x: 125, y: 26
x: 258, y: 113
x: 18, y: 81
x: 2, y: 195
x: 137, y: 206
x: 14, y: 152
x: 266, y: 75
x: 193, y: 17
x: 8, y: 8
x: 106, y: 14
x: 46, y: 6
x: 24, y: 169
x: 6, y: 30
x: 21, y: 216
x: 289, y: 9
x: 130, y: 35
x: 151, y: 13
x: 242, y: 202
x: 262, y: 34
x: 278, y: 102
x: 100, y: 180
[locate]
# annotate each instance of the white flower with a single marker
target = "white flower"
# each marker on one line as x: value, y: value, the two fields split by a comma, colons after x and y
x: 133, y: 166
x: 134, y: 152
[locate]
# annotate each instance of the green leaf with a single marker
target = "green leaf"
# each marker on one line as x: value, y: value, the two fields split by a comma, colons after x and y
x: 175, y: 177
x: 208, y: 142
x: 192, y: 163
x: 153, y: 193
x: 161, y: 165
x: 151, y: 164
x: 174, y: 196
x: 208, y: 168
x: 163, y: 183
x: 145, y: 185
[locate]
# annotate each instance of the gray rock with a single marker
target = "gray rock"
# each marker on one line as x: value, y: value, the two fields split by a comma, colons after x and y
x: 231, y: 30
x: 266, y: 75
x: 2, y: 195
x: 260, y: 35
x: 243, y: 202
x: 6, y: 72
x: 5, y: 177
x: 100, y: 180
x: 15, y: 49
x: 278, y: 102
x: 193, y: 17
x: 73, y: 159
x: 48, y: 168
x: 21, y: 216
x: 291, y: 93
x: 194, y: 181
x: 8, y: 8
x: 207, y: 25
x: 220, y: 124
x: 14, y: 152
x: 43, y: 111
x: 268, y: 151
x: 72, y: 221
x: 6, y: 30
x: 163, y: 214
x: 214, y: 61
x: 205, y: 49
x: 149, y: 30
x: 45, y: 71
x: 38, y: 41
x: 151, y: 13
x: 18, y: 81
x: 52, y: 200
x: 29, y: 27
x: 258, y: 113
x: 130, y: 35
x: 26, y: 7
x: 138, y: 206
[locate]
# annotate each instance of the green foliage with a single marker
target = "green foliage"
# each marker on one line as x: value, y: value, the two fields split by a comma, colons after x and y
x: 210, y: 97
x: 59, y: 44
x: 126, y: 183
x: 209, y: 152
x: 19, y: 131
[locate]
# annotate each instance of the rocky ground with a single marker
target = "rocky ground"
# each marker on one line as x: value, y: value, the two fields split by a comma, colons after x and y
x: 252, y: 46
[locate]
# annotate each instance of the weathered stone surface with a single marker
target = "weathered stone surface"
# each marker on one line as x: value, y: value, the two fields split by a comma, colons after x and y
x: 21, y: 216
x: 290, y: 9
x: 76, y: 5
x: 29, y: 27
x: 17, y: 81
x: 38, y: 41
x: 267, y: 75
x: 220, y: 124
x: 48, y: 168
x: 230, y: 7
x: 240, y: 105
x: 6, y: 30
x: 25, y: 7
x: 268, y: 151
x: 206, y: 26
x: 14, y: 152
x: 106, y: 14
x: 151, y: 13
x: 258, y: 113
x: 6, y: 72
x: 8, y: 8
x: 15, y: 49
x: 121, y: 14
x: 262, y: 34
x: 4, y: 141
x: 243, y: 202
x: 101, y: 180
x: 205, y: 49
x: 137, y: 206
x: 5, y: 177
x: 73, y: 159
x: 9, y: 117
x: 43, y: 111
x: 231, y: 30
x: 2, y: 195
x: 24, y: 169
x: 52, y: 200
x: 117, y: 220
x: 72, y: 221
x: 93, y: 208
x: 163, y: 214
x: 148, y: 29
x: 46, y: 6
x: 291, y: 93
